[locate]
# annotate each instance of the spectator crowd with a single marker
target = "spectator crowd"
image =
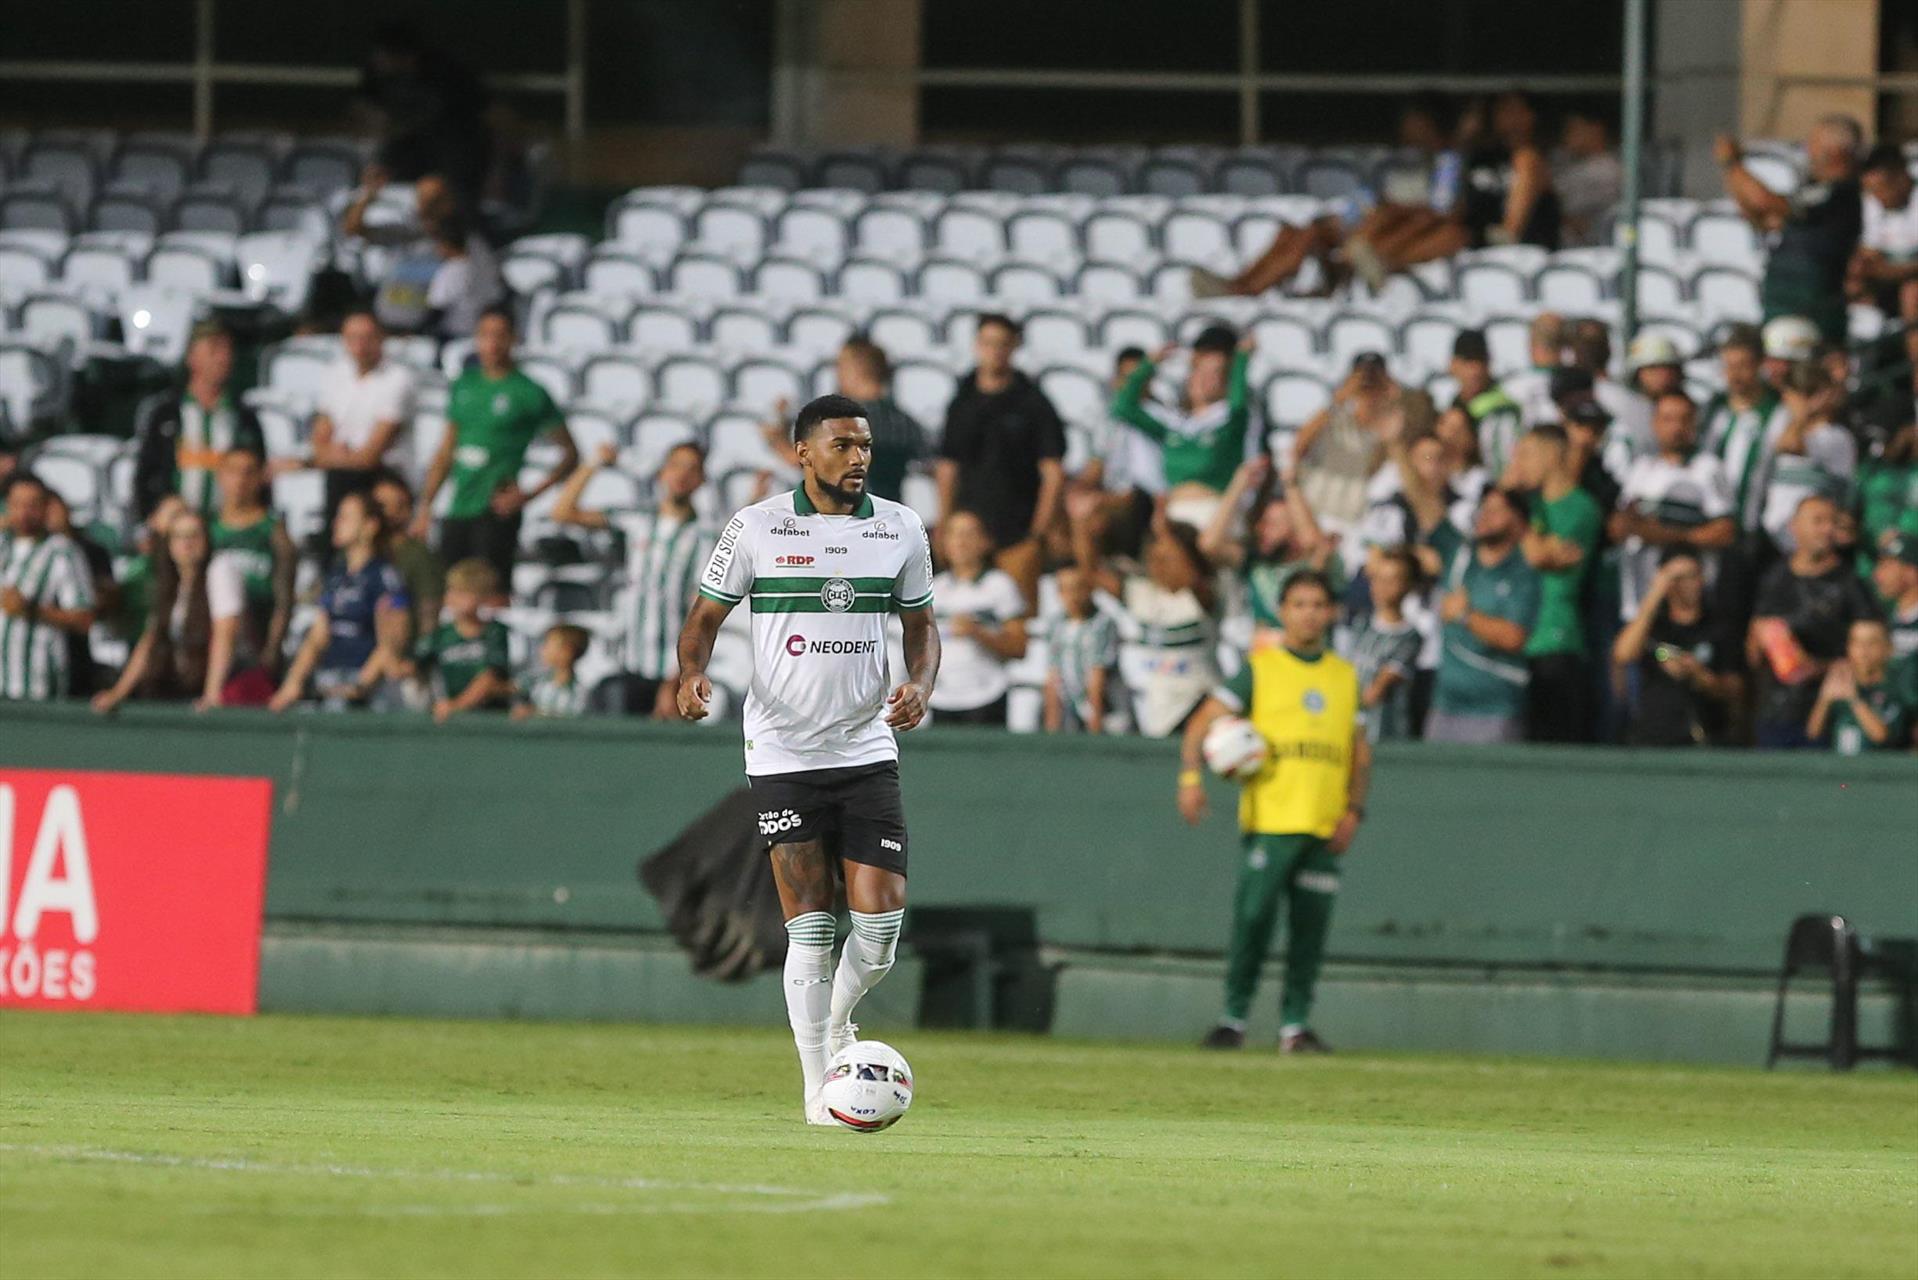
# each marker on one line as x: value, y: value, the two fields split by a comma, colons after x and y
x: 1554, y: 555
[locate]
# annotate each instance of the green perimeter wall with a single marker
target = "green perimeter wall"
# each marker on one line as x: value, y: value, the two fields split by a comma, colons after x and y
x: 1533, y: 880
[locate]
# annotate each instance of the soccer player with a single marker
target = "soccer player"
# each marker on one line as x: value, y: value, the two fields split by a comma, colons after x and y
x: 1299, y: 814
x: 823, y: 565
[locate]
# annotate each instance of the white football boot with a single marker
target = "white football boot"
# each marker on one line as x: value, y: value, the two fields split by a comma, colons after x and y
x: 816, y: 1112
x: 839, y: 1039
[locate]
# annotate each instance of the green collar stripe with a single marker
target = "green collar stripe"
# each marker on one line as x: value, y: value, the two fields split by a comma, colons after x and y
x: 813, y: 604
x: 774, y: 586
x: 802, y: 505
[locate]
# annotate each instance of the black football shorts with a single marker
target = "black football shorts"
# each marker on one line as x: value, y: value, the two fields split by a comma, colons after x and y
x: 856, y: 812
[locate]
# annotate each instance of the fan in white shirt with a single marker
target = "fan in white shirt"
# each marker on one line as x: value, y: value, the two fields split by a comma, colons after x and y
x: 1886, y: 263
x: 363, y: 411
x: 1811, y: 455
x: 982, y: 626
x: 1677, y: 497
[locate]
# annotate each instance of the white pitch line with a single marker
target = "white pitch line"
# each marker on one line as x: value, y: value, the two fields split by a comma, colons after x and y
x: 772, y: 1199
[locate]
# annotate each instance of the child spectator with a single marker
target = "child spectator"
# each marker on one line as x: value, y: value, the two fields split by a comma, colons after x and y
x: 982, y: 626
x: 356, y: 643
x: 1386, y: 647
x: 1685, y: 661
x: 1858, y: 710
x: 1081, y: 656
x: 467, y: 657
x: 555, y: 692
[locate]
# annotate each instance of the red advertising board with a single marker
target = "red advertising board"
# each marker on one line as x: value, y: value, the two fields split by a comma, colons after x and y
x: 137, y: 891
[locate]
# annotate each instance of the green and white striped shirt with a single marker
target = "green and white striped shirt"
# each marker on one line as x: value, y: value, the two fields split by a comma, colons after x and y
x: 50, y: 572
x: 1742, y: 439
x: 548, y: 697
x: 664, y: 556
x: 1078, y: 647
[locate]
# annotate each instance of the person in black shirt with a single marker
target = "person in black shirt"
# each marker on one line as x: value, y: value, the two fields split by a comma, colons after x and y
x: 1817, y: 226
x: 1002, y: 454
x: 1686, y: 665
x: 1804, y: 611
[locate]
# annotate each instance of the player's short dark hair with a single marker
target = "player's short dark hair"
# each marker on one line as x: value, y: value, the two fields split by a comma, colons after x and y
x: 1219, y: 338
x: 1001, y: 319
x: 501, y: 311
x: 1885, y: 156
x: 826, y: 409
x: 1307, y: 578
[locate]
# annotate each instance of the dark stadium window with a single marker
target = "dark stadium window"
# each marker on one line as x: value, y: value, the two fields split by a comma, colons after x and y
x: 1143, y: 35
x: 953, y: 114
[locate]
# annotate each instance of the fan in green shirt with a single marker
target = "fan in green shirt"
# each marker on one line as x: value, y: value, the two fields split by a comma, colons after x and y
x: 494, y: 413
x: 1858, y: 707
x: 461, y: 652
x: 1562, y: 543
x: 1204, y: 442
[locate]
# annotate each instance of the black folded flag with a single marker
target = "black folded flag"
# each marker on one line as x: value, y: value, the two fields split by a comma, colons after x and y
x: 714, y: 885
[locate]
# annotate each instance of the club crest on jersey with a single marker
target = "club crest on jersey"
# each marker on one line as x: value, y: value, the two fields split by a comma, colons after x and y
x: 837, y: 595
x: 1314, y: 701
x: 501, y: 403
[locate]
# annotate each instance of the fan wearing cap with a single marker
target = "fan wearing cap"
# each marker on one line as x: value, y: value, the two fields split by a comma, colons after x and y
x: 1813, y: 230
x: 1677, y: 497
x: 1788, y: 340
x: 1496, y: 415
x: 1741, y: 423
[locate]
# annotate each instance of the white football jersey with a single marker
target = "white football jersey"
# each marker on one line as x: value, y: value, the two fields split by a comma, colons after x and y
x: 819, y: 588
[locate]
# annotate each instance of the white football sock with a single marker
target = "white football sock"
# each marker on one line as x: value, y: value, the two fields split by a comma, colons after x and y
x: 809, y: 990
x: 868, y: 954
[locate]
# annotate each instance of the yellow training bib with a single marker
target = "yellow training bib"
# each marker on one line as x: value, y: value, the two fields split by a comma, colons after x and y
x: 1308, y: 711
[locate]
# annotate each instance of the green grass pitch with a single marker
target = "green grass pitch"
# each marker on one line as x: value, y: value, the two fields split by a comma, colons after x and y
x: 284, y: 1146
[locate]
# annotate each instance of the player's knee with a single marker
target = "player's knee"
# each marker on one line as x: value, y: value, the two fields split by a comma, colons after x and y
x: 879, y: 932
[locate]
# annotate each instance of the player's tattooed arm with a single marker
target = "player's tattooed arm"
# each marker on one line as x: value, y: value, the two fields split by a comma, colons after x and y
x: 907, y: 705
x: 695, y: 651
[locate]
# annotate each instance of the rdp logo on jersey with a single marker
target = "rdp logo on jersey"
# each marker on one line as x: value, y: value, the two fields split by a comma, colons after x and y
x: 131, y: 891
x: 794, y: 562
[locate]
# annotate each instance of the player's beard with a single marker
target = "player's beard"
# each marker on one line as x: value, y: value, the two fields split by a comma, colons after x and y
x: 839, y: 493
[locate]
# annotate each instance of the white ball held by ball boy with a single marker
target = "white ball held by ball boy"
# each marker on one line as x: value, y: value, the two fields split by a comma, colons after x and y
x: 1234, y: 750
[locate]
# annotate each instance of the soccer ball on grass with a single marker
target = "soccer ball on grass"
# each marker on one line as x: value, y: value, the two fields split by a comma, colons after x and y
x: 1234, y: 750
x: 868, y: 1086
